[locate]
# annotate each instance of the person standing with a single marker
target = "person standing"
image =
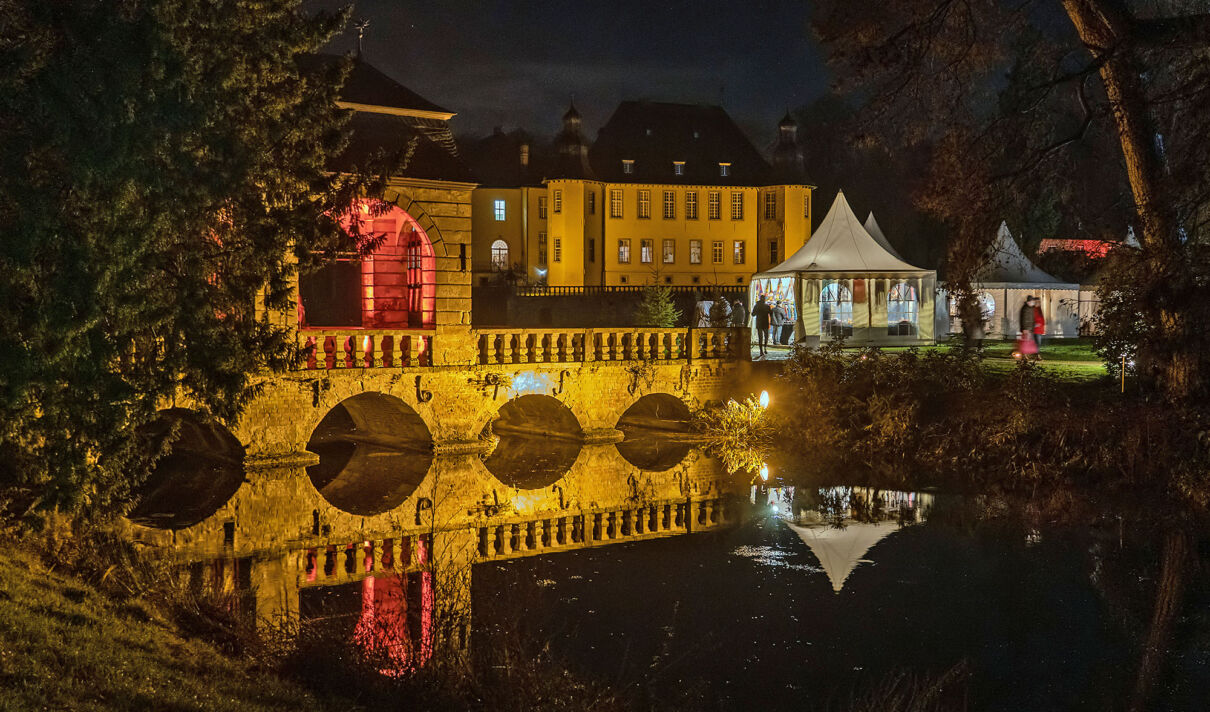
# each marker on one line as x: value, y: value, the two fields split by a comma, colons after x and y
x: 1039, y: 323
x: 787, y: 323
x: 739, y: 314
x: 1025, y: 319
x: 760, y: 316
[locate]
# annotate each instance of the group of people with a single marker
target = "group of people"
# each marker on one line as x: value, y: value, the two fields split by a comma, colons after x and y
x: 775, y: 318
x: 1033, y: 326
x: 718, y: 313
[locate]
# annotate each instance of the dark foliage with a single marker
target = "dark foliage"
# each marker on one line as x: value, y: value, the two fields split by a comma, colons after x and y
x: 164, y: 173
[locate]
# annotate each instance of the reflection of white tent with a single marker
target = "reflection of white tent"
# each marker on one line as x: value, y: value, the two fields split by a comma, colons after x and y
x: 840, y: 550
x: 875, y: 230
x: 846, y: 282
x: 1007, y: 277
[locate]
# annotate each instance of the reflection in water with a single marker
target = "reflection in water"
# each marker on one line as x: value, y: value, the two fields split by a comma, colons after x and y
x: 652, y: 452
x: 387, y: 615
x: 366, y: 479
x: 531, y: 461
x: 374, y: 451
x: 200, y: 473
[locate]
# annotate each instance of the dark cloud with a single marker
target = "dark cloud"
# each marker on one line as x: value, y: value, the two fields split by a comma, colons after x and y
x: 517, y: 63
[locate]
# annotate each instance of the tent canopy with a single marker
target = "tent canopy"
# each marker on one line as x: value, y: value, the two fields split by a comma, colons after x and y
x: 1007, y: 266
x: 840, y: 550
x: 875, y: 230
x: 842, y: 244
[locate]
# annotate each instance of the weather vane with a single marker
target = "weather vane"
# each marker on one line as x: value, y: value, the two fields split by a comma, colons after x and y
x: 361, y: 26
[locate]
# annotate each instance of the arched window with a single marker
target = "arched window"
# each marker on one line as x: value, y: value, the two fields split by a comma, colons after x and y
x: 392, y: 288
x: 902, y: 309
x: 835, y: 310
x: 500, y: 256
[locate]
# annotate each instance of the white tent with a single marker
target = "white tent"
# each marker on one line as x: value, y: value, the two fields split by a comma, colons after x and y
x: 875, y: 230
x: 840, y: 550
x: 1006, y: 279
x: 844, y: 282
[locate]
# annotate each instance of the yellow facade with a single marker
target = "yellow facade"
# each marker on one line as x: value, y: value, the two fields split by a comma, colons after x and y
x: 618, y: 234
x: 523, y: 230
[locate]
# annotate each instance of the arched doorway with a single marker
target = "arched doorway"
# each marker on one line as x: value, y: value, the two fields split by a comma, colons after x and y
x: 500, y: 261
x: 392, y: 288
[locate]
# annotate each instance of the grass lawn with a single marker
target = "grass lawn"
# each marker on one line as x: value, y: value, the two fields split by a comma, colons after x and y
x: 1070, y: 359
x: 64, y: 646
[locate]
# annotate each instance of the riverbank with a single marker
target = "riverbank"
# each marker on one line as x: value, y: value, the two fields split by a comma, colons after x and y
x: 65, y: 645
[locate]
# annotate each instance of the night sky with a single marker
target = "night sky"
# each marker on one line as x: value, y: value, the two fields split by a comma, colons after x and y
x: 515, y: 64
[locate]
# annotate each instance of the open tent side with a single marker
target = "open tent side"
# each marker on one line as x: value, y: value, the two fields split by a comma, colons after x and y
x: 843, y: 283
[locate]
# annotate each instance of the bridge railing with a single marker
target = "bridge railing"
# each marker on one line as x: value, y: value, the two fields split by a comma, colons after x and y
x: 505, y: 346
x: 327, y: 349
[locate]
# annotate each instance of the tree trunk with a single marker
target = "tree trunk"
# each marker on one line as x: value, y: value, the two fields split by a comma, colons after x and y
x: 1107, y: 36
x: 1169, y: 594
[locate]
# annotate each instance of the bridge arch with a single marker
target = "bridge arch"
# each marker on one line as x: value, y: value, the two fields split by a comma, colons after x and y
x: 538, y: 440
x: 374, y: 451
x: 201, y: 470
x: 651, y: 426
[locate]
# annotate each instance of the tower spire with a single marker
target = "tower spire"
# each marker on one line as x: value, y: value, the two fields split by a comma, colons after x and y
x: 361, y: 26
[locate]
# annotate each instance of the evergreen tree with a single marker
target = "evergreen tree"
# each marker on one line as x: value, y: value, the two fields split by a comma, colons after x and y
x: 163, y: 168
x: 656, y: 309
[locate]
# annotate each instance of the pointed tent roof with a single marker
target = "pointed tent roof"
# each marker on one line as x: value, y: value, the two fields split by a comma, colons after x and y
x: 842, y: 244
x: 840, y: 550
x: 875, y: 230
x: 1008, y: 266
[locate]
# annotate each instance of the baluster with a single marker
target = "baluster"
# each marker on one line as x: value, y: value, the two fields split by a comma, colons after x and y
x: 561, y: 352
x: 386, y: 351
x: 310, y: 348
x: 329, y: 349
x: 483, y: 542
x: 542, y: 345
x: 367, y: 557
x: 523, y: 348
x: 368, y: 351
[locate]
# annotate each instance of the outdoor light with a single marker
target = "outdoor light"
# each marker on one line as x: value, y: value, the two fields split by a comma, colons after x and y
x: 764, y: 472
x: 764, y: 399
x: 541, y: 271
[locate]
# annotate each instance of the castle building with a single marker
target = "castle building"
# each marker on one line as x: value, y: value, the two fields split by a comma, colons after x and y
x: 672, y: 194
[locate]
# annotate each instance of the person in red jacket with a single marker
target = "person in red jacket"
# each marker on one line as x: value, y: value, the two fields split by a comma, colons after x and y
x: 1039, y: 323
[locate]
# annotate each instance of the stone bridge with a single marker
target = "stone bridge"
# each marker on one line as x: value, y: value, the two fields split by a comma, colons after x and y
x: 384, y: 459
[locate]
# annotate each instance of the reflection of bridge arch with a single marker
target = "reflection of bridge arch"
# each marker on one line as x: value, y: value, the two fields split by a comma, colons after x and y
x: 539, y: 440
x: 651, y: 425
x: 374, y: 451
x: 203, y: 468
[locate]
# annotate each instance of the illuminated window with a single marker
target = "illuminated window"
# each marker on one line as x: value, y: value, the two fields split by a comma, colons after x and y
x: 592, y: 203
x: 558, y: 202
x: 624, y: 251
x: 737, y: 205
x: 737, y: 252
x: 499, y: 255
x: 770, y: 206
x: 678, y: 168
x: 695, y: 252
x: 558, y: 249
x: 835, y: 310
x: 902, y: 309
x: 806, y: 205
x: 716, y: 252
x: 542, y: 207
x: 669, y: 205
x: 499, y: 209
x: 644, y: 203
x: 615, y: 203
x: 691, y: 205
x: 623, y: 279
x: 646, y: 251
x: 724, y: 169
x: 627, y: 166
x: 713, y: 209
x: 669, y: 251
x: 772, y: 252
x: 542, y: 249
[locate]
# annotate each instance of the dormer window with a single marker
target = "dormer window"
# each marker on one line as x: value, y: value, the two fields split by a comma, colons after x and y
x: 678, y: 168
x: 627, y: 166
x: 724, y: 169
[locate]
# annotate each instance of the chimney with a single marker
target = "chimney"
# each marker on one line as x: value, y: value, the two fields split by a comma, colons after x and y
x: 525, y: 155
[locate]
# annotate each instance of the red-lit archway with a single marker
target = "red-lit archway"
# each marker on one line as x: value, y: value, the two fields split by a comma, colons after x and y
x: 393, y: 288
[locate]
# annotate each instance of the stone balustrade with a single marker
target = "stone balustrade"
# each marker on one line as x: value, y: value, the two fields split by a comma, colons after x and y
x: 574, y: 530
x: 327, y: 349
x: 509, y: 346
x: 340, y: 563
